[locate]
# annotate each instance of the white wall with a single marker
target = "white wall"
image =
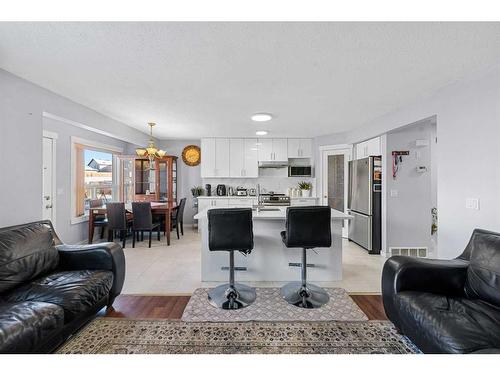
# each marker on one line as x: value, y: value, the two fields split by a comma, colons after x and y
x: 187, y: 176
x: 21, y: 106
x: 409, y: 213
x: 468, y: 154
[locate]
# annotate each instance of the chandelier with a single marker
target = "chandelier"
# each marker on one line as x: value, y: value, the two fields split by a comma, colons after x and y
x: 151, y: 152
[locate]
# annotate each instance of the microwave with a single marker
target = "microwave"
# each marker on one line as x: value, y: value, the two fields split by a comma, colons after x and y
x: 299, y: 171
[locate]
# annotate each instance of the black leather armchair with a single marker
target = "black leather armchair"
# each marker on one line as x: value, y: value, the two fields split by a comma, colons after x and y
x: 448, y: 306
x: 48, y: 290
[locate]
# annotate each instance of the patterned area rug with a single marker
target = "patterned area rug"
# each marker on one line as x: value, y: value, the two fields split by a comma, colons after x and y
x: 124, y: 336
x: 270, y: 306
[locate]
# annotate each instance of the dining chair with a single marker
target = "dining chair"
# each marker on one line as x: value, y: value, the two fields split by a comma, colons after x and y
x: 100, y: 221
x: 143, y: 221
x: 178, y: 217
x: 117, y: 221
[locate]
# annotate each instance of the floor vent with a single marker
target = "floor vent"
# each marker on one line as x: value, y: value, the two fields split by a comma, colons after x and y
x: 418, y: 252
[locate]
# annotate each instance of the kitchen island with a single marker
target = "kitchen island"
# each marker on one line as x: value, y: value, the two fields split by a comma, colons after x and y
x: 270, y: 260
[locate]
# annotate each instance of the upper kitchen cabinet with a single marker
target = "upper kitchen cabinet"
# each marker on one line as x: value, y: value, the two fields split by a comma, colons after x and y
x: 299, y: 148
x: 275, y: 149
x: 243, y: 157
x: 367, y: 148
x: 215, y: 157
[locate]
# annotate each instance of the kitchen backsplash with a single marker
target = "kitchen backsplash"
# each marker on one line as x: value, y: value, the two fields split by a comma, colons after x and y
x: 276, y: 184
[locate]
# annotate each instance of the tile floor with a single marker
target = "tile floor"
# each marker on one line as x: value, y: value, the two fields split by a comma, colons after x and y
x: 175, y: 269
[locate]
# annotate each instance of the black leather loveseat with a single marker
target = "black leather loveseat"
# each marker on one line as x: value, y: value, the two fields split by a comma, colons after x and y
x: 48, y: 290
x: 448, y: 306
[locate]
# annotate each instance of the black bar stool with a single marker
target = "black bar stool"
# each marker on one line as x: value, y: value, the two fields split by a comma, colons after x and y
x: 231, y: 229
x: 306, y: 227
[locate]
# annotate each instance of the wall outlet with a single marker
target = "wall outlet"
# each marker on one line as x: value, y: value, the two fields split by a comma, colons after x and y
x: 472, y: 203
x: 394, y: 193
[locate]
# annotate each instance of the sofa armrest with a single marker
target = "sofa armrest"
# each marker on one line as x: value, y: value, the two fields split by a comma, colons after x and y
x: 107, y: 256
x: 446, y: 277
x: 402, y: 273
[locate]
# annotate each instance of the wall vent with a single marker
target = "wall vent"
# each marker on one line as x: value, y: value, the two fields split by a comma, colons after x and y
x: 417, y: 252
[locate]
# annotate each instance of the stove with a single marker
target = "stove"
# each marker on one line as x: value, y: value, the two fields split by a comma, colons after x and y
x: 275, y: 199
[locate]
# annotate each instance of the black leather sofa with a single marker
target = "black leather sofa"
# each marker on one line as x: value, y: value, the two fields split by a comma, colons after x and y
x: 48, y: 290
x: 448, y: 306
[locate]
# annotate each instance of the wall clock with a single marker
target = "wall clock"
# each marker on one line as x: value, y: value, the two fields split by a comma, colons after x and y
x: 191, y: 155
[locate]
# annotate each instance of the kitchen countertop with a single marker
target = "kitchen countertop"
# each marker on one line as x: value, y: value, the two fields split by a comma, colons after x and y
x: 280, y: 214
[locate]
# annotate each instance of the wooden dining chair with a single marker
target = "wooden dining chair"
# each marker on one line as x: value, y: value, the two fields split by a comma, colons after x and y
x: 142, y: 221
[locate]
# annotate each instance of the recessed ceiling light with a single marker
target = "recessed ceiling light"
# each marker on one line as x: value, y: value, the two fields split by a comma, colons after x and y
x: 261, y: 132
x: 261, y: 117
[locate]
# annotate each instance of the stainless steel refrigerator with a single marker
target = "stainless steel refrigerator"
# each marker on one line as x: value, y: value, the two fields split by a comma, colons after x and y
x: 365, y: 203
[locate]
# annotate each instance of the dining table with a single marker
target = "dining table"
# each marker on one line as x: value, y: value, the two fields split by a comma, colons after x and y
x: 157, y: 208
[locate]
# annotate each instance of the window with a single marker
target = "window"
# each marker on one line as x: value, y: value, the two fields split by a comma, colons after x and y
x: 94, y: 176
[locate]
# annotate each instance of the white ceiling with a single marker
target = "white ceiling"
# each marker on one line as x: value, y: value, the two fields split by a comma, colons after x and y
x: 206, y: 79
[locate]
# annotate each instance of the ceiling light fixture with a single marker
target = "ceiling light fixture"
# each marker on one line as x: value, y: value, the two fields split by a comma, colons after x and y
x: 261, y: 117
x: 261, y: 132
x: 151, y: 152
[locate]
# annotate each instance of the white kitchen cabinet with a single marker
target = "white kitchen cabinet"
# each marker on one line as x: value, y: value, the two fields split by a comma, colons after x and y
x: 275, y: 149
x: 208, y: 202
x: 367, y: 148
x: 215, y: 157
x: 299, y: 148
x: 236, y: 157
x: 208, y: 157
x: 243, y: 157
x: 304, y: 201
x: 251, y: 168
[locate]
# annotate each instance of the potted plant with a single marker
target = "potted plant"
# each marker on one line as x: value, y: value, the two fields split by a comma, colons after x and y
x: 305, y: 188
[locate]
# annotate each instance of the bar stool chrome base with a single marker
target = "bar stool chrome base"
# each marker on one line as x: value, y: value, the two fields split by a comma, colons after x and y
x: 231, y: 298
x: 310, y: 297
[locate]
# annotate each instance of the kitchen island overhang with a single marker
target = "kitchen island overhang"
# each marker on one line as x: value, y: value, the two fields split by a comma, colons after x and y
x: 270, y: 260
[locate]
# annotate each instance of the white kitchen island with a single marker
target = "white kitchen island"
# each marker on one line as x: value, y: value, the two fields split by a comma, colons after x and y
x: 270, y: 260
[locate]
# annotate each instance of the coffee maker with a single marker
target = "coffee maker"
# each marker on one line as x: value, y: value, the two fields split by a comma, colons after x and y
x: 208, y: 189
x: 221, y: 190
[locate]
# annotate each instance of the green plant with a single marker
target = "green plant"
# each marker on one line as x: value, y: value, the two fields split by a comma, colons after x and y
x: 304, y: 185
x: 197, y: 191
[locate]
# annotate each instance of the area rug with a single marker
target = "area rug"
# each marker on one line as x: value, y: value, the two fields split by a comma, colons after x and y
x: 270, y: 306
x: 126, y: 336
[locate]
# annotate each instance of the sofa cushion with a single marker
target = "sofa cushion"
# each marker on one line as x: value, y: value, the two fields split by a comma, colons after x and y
x: 24, y: 325
x: 75, y: 291
x: 442, y: 324
x: 26, y: 252
x: 483, y: 274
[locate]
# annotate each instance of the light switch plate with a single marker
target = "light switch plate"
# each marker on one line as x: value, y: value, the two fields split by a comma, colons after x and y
x: 394, y: 193
x: 472, y: 203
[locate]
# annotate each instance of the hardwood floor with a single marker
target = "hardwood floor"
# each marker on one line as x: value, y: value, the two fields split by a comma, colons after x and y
x: 171, y: 307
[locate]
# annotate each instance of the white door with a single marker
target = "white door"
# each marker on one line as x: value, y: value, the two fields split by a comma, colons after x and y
x: 48, y: 176
x: 251, y: 168
x: 208, y: 157
x: 236, y: 157
x: 280, y: 149
x: 335, y: 176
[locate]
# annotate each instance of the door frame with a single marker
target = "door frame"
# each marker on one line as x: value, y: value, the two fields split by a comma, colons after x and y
x: 54, y: 136
x: 325, y: 151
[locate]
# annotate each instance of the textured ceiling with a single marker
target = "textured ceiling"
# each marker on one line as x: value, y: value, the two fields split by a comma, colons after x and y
x: 206, y: 79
